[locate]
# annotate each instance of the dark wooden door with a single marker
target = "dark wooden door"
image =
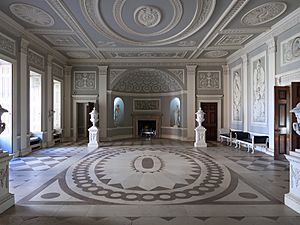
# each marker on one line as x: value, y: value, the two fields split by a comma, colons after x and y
x: 281, y: 133
x: 211, y: 120
x: 295, y: 138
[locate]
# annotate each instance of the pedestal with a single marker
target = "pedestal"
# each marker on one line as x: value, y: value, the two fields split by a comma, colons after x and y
x: 292, y: 199
x: 6, y: 199
x: 93, y: 137
x: 200, y: 137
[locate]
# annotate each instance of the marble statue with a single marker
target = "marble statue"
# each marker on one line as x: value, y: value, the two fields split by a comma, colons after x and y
x: 117, y: 115
x: 2, y: 124
x: 177, y: 116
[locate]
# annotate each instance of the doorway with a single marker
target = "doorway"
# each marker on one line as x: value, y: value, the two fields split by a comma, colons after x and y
x: 211, y: 120
x: 6, y: 102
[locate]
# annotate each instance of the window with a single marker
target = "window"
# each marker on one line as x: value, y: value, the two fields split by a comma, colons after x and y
x: 6, y: 103
x: 35, y: 102
x: 56, y: 105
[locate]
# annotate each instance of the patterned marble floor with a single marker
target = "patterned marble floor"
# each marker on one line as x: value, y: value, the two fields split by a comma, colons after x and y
x: 148, y: 182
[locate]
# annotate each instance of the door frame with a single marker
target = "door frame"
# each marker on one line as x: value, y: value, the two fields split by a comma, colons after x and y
x: 80, y: 99
x: 212, y: 99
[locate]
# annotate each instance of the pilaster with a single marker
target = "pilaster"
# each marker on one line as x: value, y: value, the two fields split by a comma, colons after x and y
x: 191, y: 101
x: 245, y: 91
x: 226, y: 99
x: 103, y: 73
x: 67, y: 103
x: 271, y: 68
x: 24, y: 100
x: 49, y: 108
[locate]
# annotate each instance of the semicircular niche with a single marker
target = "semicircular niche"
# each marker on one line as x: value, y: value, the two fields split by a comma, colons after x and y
x: 152, y: 24
x: 146, y: 80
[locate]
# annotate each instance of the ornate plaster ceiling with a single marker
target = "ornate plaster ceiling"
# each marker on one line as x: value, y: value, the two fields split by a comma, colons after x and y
x: 131, y: 30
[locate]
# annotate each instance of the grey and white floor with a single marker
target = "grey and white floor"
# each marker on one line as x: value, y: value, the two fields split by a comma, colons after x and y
x: 148, y: 182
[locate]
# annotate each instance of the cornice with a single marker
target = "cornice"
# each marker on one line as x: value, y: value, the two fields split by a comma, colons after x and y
x: 285, y: 24
x: 29, y: 36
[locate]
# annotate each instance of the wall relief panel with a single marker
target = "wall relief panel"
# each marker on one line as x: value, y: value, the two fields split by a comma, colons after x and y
x: 57, y: 70
x: 36, y: 59
x: 290, y: 50
x: 146, y: 104
x: 209, y: 80
x: 259, y: 90
x: 84, y: 80
x: 236, y: 93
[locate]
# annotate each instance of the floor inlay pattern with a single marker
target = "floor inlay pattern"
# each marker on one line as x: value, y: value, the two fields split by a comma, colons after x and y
x: 147, y: 175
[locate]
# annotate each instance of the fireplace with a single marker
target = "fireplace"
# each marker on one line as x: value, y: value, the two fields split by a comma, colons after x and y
x: 146, y: 124
x: 147, y: 128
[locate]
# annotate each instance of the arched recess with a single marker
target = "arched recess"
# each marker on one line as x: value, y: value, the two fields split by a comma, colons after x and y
x: 119, y: 111
x: 175, y: 112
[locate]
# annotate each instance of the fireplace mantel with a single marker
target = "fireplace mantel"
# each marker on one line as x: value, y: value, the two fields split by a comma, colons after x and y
x: 146, y: 116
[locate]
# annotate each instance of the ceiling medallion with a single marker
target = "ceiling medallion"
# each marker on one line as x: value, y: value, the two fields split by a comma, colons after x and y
x: 32, y: 14
x: 177, y: 14
x: 78, y: 55
x: 91, y: 11
x: 264, y: 13
x: 216, y: 54
x: 147, y: 16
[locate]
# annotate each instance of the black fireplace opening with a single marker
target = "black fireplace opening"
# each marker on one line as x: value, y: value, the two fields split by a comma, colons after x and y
x: 147, y: 128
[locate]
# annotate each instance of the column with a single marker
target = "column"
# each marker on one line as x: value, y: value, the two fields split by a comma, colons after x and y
x: 67, y: 103
x: 24, y: 101
x: 103, y: 101
x: 226, y: 99
x: 245, y: 91
x: 191, y: 101
x: 49, y: 108
x: 271, y: 68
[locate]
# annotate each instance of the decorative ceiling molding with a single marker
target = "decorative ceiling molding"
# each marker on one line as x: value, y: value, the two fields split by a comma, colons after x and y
x: 51, y: 31
x: 186, y: 43
x: 256, y: 30
x: 204, y: 11
x: 216, y: 54
x: 101, y: 44
x: 117, y: 13
x: 264, y: 13
x: 61, y: 40
x: 79, y: 55
x: 146, y: 80
x: 31, y: 14
x: 147, y: 16
x: 59, y: 7
x: 228, y: 15
x: 224, y: 47
x: 233, y: 39
x: 7, y: 44
x: 147, y: 55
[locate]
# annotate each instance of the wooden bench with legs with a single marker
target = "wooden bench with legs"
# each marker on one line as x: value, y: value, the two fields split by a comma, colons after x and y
x: 226, y: 134
x: 245, y: 138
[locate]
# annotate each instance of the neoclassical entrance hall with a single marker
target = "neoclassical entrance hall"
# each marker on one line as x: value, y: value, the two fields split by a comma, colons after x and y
x: 142, y: 181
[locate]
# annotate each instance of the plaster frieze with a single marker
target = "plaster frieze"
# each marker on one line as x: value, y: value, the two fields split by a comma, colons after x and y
x: 79, y: 55
x: 7, y: 44
x: 57, y: 70
x: 208, y: 80
x: 36, y: 59
x: 61, y: 40
x: 84, y: 80
x: 216, y: 54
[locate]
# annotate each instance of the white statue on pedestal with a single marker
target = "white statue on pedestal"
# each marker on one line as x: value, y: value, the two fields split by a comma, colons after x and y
x: 6, y: 199
x: 93, y: 130
x: 200, y: 130
x: 177, y: 116
x: 292, y: 199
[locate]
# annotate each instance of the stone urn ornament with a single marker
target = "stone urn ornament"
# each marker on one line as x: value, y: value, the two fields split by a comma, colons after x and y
x: 292, y: 199
x: 200, y: 130
x: 93, y: 130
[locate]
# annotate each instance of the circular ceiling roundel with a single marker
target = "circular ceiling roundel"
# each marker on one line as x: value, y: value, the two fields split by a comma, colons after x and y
x: 159, y: 23
x: 32, y: 14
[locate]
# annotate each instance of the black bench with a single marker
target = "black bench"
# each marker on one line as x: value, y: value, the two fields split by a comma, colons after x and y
x: 244, y: 138
x: 35, y: 142
x: 226, y: 134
